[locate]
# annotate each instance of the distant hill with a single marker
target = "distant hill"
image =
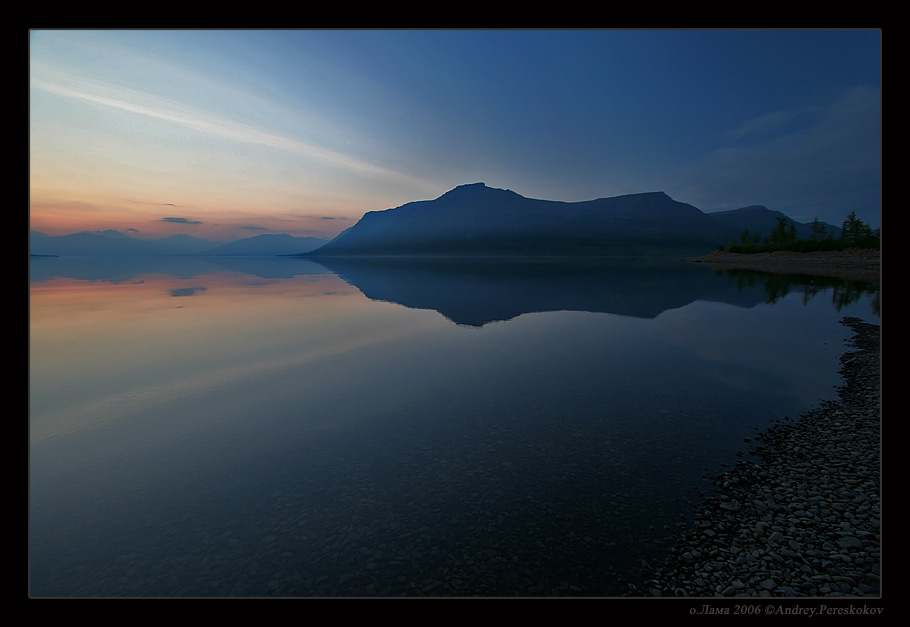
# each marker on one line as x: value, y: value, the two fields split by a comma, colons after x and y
x: 185, y: 244
x: 478, y: 220
x: 114, y: 243
x: 759, y: 219
x: 475, y: 220
x: 280, y: 244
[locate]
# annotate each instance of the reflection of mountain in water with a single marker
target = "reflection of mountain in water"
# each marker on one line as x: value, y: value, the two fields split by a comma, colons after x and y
x: 476, y: 291
x: 473, y: 291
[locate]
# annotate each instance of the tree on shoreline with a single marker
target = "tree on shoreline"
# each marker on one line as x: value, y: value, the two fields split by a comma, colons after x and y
x: 857, y: 233
x: 854, y: 234
x: 819, y: 231
x: 783, y: 234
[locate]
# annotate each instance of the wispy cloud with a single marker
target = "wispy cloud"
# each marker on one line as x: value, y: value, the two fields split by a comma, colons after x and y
x: 187, y: 291
x: 122, y: 99
x: 762, y: 125
x: 181, y: 221
x: 825, y: 169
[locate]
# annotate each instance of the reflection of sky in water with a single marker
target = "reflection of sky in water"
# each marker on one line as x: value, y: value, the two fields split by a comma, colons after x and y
x: 102, y: 345
x: 164, y: 386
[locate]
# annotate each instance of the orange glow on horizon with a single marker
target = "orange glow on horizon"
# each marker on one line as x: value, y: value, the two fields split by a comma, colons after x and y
x: 154, y: 220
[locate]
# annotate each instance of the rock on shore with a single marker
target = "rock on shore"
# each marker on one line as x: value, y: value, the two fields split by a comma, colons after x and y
x: 804, y: 520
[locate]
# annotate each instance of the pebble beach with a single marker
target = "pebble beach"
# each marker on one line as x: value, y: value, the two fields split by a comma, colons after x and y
x: 802, y: 516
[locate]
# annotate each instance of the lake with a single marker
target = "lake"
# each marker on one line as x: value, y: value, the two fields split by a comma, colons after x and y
x: 276, y: 427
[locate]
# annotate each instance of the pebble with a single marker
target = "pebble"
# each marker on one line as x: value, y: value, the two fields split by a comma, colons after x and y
x: 808, y: 521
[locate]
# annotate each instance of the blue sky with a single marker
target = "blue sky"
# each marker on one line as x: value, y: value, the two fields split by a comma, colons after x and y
x: 241, y: 132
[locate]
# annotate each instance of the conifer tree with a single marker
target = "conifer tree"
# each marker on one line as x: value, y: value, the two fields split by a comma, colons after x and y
x: 819, y: 231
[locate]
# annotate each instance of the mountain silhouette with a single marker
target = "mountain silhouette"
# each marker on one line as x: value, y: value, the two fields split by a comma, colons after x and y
x: 475, y: 219
x: 267, y: 244
x: 761, y: 220
x: 111, y: 243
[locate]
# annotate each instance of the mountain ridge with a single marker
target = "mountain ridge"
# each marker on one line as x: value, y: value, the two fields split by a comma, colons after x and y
x: 474, y: 219
x: 114, y: 243
x: 759, y: 219
x: 268, y: 244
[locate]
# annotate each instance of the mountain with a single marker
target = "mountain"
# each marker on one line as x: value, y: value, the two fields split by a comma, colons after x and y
x: 475, y: 219
x: 183, y: 244
x: 759, y: 219
x: 260, y: 245
x: 114, y: 243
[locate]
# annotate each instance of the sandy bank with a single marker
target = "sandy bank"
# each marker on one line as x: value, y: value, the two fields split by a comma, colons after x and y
x: 853, y: 264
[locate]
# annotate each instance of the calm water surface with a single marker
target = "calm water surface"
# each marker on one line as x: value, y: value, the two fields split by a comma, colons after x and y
x: 276, y: 427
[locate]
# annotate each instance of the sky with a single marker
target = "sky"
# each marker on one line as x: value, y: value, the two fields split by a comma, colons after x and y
x: 226, y: 134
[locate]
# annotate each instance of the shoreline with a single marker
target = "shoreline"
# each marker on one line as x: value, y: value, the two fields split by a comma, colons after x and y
x: 853, y: 264
x: 805, y: 520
